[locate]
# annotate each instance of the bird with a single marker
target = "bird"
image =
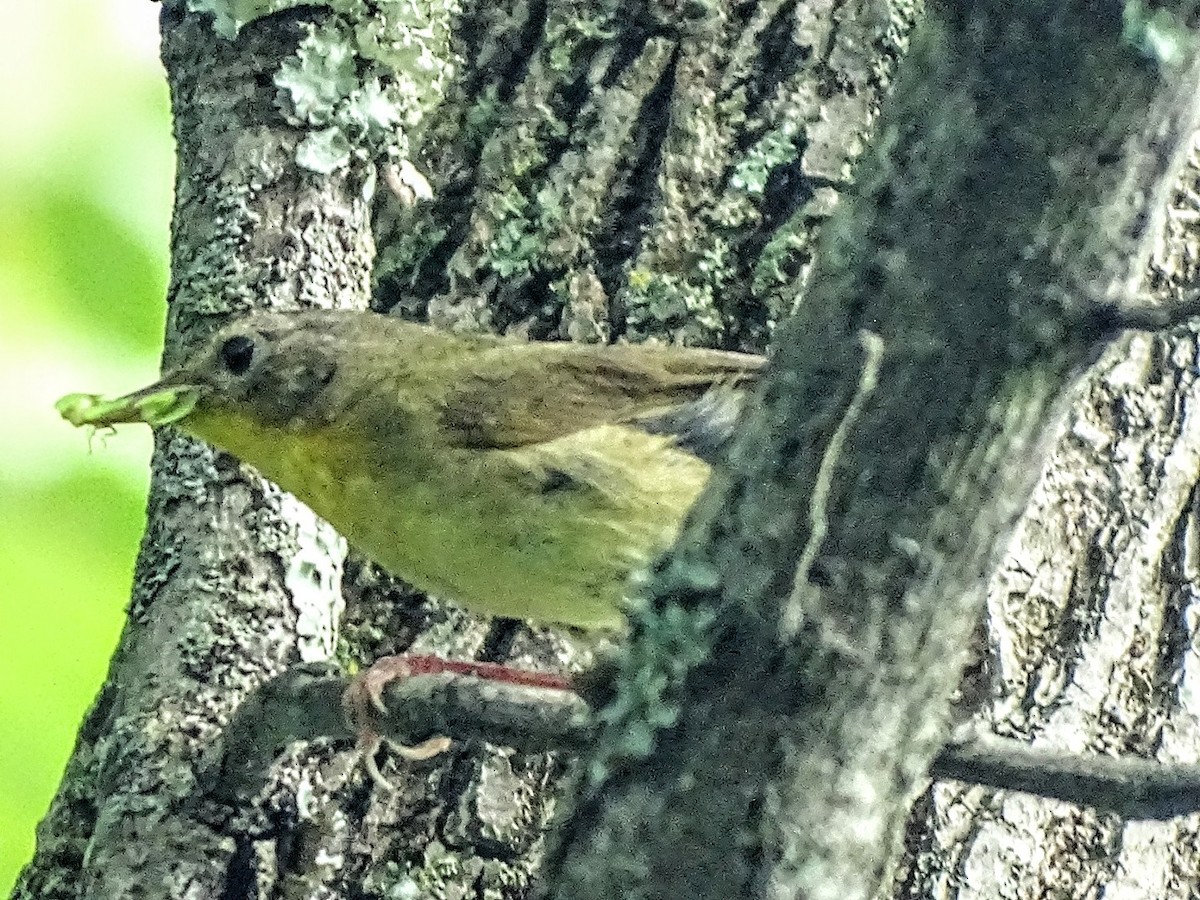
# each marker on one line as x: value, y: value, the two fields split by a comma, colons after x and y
x: 521, y: 479
x: 515, y: 478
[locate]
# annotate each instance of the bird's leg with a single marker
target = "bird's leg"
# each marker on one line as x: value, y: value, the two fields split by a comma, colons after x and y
x: 363, y: 699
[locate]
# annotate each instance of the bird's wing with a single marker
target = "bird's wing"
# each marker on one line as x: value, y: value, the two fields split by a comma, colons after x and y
x: 517, y: 395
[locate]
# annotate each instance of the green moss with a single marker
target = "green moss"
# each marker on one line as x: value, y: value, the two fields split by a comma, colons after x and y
x: 777, y: 147
x: 522, y: 230
x: 514, y: 247
x: 484, y: 115
x: 402, y: 258
x: 673, y: 641
x: 772, y: 269
x: 565, y: 36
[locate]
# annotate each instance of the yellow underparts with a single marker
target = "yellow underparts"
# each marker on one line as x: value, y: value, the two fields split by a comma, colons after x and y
x: 548, y: 533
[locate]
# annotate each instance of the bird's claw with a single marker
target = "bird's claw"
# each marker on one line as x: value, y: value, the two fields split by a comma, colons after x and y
x: 363, y: 700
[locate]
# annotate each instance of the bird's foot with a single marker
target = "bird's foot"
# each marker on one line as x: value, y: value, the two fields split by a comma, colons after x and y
x: 363, y: 700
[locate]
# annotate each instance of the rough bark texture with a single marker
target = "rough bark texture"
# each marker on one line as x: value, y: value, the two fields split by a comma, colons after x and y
x: 815, y: 720
x: 660, y: 170
x: 1092, y: 630
x: 655, y: 169
x: 598, y: 169
x: 236, y: 580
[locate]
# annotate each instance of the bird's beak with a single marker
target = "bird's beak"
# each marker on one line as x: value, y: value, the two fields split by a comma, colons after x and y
x: 161, y: 403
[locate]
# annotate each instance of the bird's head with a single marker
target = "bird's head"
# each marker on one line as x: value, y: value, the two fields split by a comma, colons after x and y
x: 271, y: 376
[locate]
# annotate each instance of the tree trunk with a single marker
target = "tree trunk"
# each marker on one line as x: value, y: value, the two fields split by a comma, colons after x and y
x: 663, y: 171
x: 1091, y: 633
x: 957, y: 293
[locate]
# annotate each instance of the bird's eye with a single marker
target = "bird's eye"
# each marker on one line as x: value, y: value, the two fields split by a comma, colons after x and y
x: 237, y: 353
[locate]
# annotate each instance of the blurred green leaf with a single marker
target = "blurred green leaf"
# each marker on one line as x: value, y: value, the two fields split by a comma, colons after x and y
x: 84, y: 209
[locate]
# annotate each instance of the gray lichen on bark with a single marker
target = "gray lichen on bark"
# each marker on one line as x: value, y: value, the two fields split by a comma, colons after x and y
x: 235, y: 580
x: 646, y: 170
x: 566, y: 114
x: 251, y: 227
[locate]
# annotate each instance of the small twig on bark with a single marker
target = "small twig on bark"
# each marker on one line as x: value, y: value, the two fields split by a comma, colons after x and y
x: 1133, y: 788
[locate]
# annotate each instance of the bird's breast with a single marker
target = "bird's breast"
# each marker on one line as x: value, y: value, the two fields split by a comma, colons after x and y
x: 548, y: 533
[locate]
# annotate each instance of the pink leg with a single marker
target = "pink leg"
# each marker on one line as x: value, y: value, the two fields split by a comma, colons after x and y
x: 366, y: 691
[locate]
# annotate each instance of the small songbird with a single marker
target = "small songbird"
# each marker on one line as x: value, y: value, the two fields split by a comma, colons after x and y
x: 525, y: 480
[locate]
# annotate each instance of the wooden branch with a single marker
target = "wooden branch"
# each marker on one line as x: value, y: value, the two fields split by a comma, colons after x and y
x: 305, y: 703
x: 1129, y: 787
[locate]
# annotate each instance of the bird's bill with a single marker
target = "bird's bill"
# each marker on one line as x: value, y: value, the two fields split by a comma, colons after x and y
x: 161, y: 403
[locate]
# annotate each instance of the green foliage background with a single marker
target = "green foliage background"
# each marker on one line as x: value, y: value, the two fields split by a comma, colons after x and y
x: 85, y: 185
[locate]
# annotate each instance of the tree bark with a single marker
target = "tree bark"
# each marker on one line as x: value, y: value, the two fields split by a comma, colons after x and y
x: 955, y: 296
x: 1090, y: 644
x: 236, y: 580
x: 662, y: 171
x: 768, y: 108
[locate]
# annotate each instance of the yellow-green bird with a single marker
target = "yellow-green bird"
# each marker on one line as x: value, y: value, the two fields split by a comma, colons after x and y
x: 525, y: 480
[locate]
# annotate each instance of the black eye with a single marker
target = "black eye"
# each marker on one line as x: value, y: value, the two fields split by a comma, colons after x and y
x: 237, y: 353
